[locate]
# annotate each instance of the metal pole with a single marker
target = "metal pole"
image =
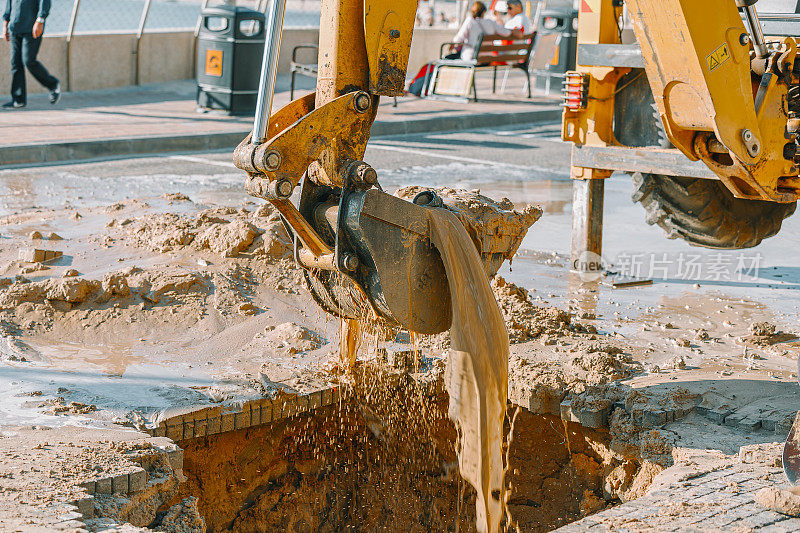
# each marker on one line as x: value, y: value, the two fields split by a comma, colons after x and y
x: 139, y: 34
x: 70, y: 30
x: 751, y: 17
x: 587, y: 223
x: 269, y: 70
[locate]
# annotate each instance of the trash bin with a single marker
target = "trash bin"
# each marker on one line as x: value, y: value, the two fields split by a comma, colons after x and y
x: 229, y: 49
x: 564, y: 21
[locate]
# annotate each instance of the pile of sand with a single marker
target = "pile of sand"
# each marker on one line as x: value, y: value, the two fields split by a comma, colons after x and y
x: 496, y: 228
x: 526, y: 321
x: 122, y: 304
x: 765, y: 334
x: 73, y: 292
x: 225, y: 231
x: 219, y: 267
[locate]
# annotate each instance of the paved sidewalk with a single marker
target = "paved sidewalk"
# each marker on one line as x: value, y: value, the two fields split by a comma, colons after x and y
x: 163, y: 117
x: 699, y: 500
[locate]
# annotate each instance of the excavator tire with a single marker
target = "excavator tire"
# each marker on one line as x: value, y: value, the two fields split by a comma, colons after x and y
x: 702, y: 212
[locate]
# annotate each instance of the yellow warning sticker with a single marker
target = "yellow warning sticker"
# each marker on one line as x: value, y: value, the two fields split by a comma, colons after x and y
x: 718, y: 57
x: 214, y: 62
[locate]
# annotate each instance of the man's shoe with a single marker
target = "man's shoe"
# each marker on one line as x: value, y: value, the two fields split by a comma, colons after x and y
x: 12, y: 105
x: 55, y: 94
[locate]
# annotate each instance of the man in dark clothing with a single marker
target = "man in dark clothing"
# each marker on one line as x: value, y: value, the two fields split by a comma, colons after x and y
x: 23, y: 26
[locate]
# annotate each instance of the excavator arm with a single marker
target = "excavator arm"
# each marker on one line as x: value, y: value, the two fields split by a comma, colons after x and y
x: 722, y: 92
x: 366, y: 254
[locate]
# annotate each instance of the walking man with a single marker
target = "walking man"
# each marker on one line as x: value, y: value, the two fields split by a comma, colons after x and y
x: 23, y: 26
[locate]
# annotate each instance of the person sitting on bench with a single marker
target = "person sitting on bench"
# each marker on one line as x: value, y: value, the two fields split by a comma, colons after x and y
x: 471, y: 31
x: 518, y: 20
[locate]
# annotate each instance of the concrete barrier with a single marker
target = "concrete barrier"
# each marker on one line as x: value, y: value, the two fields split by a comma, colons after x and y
x: 157, y: 66
x: 101, y: 61
x: 98, y: 61
x: 425, y: 47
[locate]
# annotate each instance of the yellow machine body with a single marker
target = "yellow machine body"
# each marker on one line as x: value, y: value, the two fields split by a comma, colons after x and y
x: 715, y: 103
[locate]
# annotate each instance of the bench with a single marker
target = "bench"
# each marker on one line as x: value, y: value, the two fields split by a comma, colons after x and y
x: 492, y: 51
x: 304, y: 69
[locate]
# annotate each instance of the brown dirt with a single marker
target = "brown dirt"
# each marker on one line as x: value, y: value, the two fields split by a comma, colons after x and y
x: 333, y: 470
x: 526, y: 321
x: 477, y: 368
x: 496, y: 228
x: 784, y: 501
x: 228, y: 264
x: 224, y: 231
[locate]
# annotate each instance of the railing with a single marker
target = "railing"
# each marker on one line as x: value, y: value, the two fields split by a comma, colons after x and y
x: 137, y: 17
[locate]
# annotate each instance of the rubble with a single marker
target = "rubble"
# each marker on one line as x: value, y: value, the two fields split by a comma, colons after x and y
x: 38, y: 255
x: 783, y: 501
x: 609, y: 432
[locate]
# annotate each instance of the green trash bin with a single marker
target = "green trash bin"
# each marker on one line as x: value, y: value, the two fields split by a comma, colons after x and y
x: 563, y: 20
x: 229, y: 49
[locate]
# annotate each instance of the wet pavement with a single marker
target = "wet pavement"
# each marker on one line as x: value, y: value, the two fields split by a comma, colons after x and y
x: 528, y: 164
x: 194, y: 379
x: 151, y: 115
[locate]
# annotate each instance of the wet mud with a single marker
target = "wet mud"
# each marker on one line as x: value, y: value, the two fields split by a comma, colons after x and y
x: 477, y: 380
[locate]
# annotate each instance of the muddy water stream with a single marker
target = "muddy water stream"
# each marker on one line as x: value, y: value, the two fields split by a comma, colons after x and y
x: 477, y: 377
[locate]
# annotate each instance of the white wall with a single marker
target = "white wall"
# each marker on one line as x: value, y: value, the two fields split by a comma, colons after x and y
x: 99, y: 61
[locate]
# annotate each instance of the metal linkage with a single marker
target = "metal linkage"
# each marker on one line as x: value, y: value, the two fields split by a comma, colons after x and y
x: 753, y: 27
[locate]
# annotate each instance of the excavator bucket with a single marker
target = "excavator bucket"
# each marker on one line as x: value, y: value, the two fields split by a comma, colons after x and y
x: 397, y: 272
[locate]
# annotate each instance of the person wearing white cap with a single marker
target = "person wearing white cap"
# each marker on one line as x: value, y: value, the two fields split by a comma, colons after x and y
x: 500, y: 9
x: 517, y: 18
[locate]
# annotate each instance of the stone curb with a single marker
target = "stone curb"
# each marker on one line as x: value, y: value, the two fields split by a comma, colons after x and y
x: 212, y: 420
x: 747, y: 419
x: 129, y: 483
x: 40, y: 153
x: 220, y: 419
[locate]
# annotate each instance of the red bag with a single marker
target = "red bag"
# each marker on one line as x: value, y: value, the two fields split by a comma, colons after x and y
x: 418, y: 83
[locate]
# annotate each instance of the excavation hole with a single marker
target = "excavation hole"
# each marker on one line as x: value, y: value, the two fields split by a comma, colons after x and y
x: 386, y: 461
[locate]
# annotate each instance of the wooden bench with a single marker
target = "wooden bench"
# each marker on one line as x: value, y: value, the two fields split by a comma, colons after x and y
x: 492, y: 51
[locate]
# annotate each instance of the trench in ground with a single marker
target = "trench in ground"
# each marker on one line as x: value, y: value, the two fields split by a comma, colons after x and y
x: 355, y: 466
x: 384, y: 459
